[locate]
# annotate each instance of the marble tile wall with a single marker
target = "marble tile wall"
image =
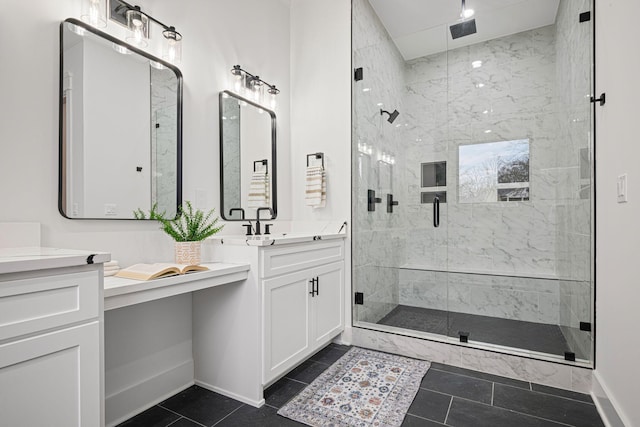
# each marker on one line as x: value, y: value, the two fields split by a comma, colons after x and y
x: 378, y: 236
x: 524, y: 89
x: 512, y: 96
x: 508, y: 297
x: 164, y: 147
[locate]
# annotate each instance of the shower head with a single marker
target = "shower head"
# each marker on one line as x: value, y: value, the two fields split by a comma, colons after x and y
x: 392, y: 116
x: 464, y: 28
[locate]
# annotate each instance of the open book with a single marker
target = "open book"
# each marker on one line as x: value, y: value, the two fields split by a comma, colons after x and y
x: 156, y: 270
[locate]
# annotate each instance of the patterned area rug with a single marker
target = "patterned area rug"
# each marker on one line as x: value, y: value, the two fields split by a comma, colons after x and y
x: 363, y: 388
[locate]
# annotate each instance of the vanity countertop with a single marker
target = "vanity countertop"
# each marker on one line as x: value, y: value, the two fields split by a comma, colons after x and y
x: 276, y: 238
x: 15, y: 260
x: 121, y: 292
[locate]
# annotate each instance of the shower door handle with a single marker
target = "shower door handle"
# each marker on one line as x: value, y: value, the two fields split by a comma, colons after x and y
x: 436, y: 211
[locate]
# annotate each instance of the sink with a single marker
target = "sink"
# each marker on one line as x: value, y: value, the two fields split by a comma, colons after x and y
x: 276, y: 238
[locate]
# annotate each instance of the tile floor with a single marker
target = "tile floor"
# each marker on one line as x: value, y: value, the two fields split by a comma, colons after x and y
x: 540, y: 337
x: 448, y: 396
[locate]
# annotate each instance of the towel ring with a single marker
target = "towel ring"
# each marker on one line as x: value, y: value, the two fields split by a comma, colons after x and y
x: 265, y: 162
x: 317, y: 156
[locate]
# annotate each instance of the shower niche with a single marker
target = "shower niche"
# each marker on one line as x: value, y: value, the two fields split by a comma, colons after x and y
x: 491, y: 244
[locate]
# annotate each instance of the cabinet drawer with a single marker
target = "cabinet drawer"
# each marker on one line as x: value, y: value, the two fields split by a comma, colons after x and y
x: 36, y: 304
x: 287, y: 259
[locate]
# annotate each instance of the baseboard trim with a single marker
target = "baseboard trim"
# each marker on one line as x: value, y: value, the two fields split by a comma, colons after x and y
x: 606, y: 407
x: 254, y: 403
x: 139, y: 397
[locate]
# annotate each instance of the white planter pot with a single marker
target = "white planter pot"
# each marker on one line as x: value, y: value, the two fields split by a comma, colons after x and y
x: 188, y: 252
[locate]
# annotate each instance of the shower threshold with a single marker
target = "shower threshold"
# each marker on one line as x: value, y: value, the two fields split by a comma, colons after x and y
x: 539, y: 337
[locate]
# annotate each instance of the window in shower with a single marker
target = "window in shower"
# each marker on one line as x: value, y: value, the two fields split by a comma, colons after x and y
x: 493, y: 172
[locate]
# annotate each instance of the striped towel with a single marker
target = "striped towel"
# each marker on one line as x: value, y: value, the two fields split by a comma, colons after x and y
x: 316, y: 190
x: 259, y: 189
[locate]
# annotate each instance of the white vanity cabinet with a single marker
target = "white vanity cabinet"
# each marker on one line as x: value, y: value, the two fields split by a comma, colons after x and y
x: 304, y: 309
x: 271, y: 322
x: 50, y: 343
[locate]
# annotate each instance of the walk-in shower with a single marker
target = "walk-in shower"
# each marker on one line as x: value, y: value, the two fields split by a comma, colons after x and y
x: 489, y: 169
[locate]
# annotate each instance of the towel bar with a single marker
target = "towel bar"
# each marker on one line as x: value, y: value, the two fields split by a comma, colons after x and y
x: 265, y: 162
x: 317, y: 156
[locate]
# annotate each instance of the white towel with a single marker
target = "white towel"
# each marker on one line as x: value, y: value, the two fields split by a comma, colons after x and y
x: 111, y: 268
x: 259, y: 189
x: 316, y: 187
x: 112, y: 263
x: 111, y: 273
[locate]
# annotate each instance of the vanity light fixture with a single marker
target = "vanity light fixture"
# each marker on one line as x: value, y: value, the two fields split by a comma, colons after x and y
x: 138, y: 22
x: 252, y: 87
x: 94, y: 13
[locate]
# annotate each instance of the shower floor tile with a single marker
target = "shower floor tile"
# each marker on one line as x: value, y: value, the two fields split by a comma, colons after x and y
x: 511, y: 333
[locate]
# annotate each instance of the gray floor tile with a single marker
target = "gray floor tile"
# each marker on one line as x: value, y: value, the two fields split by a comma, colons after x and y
x: 330, y: 353
x: 307, y: 371
x: 248, y: 416
x: 512, y: 333
x: 412, y: 421
x: 465, y: 413
x: 480, y: 375
x: 152, y: 417
x: 430, y: 405
x: 183, y: 422
x: 458, y: 385
x: 201, y: 405
x: 282, y: 391
x: 547, y: 406
x: 560, y: 392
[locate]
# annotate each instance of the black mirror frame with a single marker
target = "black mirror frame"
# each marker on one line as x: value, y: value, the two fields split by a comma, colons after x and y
x: 274, y: 168
x: 112, y: 39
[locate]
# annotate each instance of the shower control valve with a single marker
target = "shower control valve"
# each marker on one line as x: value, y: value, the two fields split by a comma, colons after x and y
x: 391, y: 203
x: 372, y: 200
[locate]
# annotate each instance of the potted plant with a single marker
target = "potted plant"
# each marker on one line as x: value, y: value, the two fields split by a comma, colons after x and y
x: 188, y: 230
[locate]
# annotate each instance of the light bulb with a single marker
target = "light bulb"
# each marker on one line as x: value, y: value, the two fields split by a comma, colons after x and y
x: 273, y: 92
x: 467, y: 13
x: 138, y: 24
x: 94, y: 13
x: 173, y: 46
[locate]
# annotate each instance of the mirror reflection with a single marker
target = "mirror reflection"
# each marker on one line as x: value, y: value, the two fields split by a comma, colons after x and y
x: 120, y: 128
x: 247, y: 159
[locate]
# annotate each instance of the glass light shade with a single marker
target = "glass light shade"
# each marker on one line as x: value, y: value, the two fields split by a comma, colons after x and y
x: 94, y: 12
x: 273, y: 102
x: 138, y: 24
x: 258, y: 89
x: 172, y: 50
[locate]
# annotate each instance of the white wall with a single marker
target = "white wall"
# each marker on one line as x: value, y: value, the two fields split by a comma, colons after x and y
x: 321, y: 117
x: 321, y: 103
x: 618, y: 232
x: 217, y: 34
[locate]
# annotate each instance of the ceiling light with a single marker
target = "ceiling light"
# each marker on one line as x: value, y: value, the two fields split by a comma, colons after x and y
x: 487, y: 131
x: 366, y: 89
x: 476, y: 64
x: 466, y: 13
x: 479, y: 85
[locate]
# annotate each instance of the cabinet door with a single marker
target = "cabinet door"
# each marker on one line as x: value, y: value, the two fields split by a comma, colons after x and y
x: 52, y: 379
x: 328, y: 304
x: 286, y: 322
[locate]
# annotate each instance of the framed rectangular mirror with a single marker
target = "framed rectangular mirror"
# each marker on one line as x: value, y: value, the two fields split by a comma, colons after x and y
x: 120, y: 128
x: 247, y: 159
